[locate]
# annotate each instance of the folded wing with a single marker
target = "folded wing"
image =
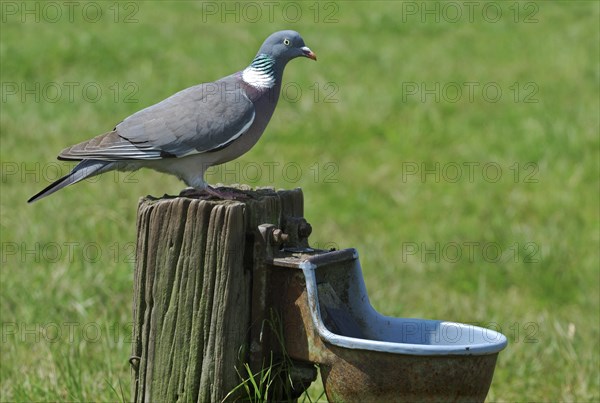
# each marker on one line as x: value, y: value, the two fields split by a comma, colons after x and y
x: 196, y: 120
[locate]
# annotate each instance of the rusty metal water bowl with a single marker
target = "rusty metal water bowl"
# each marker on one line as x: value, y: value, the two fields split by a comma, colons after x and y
x: 365, y: 356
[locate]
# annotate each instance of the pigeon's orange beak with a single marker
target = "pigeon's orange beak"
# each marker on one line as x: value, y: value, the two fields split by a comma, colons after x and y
x: 309, y: 53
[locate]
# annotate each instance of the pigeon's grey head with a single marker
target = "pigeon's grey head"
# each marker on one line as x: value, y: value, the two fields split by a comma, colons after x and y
x: 284, y: 46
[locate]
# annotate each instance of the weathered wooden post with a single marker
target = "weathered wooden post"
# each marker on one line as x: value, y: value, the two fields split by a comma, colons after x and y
x: 199, y: 294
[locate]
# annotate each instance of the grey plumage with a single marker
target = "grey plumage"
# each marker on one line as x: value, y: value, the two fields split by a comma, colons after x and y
x: 194, y: 129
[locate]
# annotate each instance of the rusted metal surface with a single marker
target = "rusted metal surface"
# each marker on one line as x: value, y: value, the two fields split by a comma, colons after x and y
x: 370, y: 376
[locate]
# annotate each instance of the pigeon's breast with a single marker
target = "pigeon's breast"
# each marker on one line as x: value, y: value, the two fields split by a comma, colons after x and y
x: 264, y: 101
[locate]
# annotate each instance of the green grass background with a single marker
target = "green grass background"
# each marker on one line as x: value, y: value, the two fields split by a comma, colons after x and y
x: 66, y: 276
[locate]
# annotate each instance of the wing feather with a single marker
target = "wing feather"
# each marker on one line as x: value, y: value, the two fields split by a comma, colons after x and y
x: 196, y: 120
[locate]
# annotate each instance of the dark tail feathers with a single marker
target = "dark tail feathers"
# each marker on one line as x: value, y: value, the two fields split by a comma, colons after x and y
x: 84, y: 169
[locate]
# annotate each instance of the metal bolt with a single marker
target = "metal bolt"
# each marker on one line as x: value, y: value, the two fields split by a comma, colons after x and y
x: 278, y: 236
x: 304, y: 229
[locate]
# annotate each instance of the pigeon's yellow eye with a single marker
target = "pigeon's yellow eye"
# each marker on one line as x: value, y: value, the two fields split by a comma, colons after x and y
x: 286, y: 42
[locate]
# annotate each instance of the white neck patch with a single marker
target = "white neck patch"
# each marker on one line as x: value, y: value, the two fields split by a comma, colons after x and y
x: 258, y: 78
